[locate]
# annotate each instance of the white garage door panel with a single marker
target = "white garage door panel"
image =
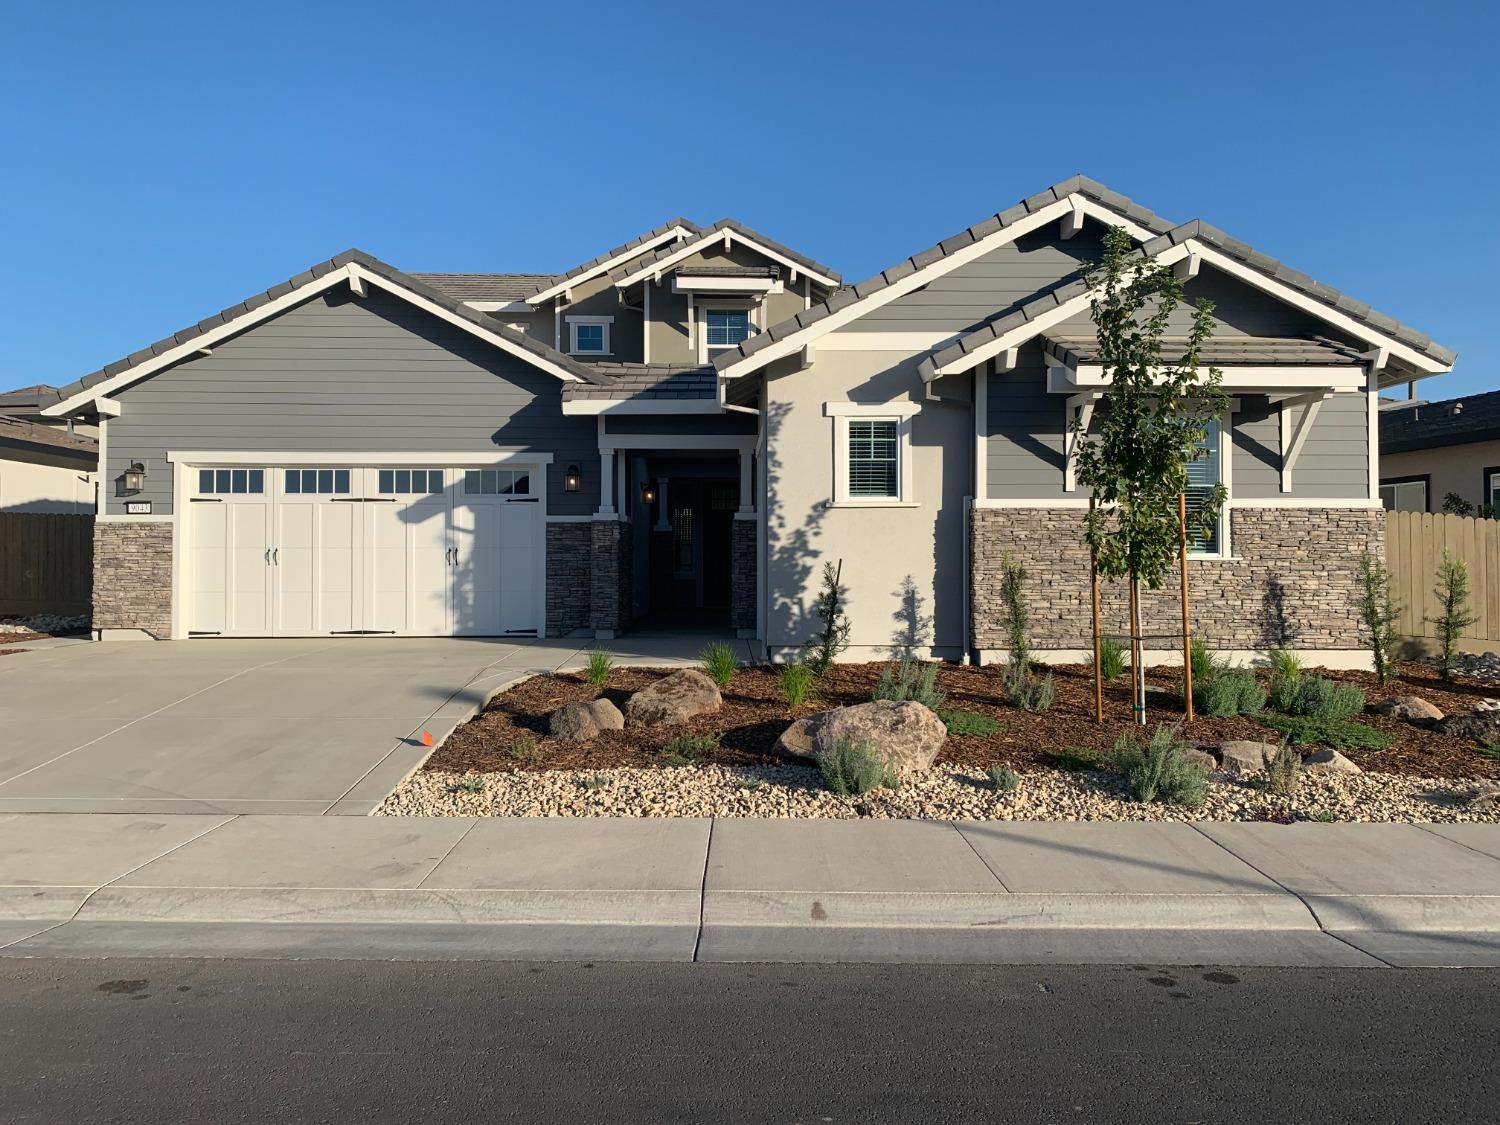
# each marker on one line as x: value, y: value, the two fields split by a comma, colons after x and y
x: 208, y: 550
x: 249, y: 586
x: 406, y: 560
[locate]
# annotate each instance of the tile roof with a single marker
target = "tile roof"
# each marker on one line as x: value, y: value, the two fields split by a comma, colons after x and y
x: 34, y: 433
x: 599, y: 260
x: 728, y: 271
x: 706, y: 236
x: 485, y: 286
x: 1167, y: 236
x: 1225, y: 351
x: 583, y: 371
x: 649, y: 381
x: 1453, y: 421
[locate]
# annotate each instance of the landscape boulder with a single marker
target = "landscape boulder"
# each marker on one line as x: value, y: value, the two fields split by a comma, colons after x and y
x: 906, y: 736
x: 1412, y: 708
x: 1329, y: 761
x: 1480, y: 726
x: 673, y: 699
x: 1484, y: 799
x: 1200, y: 756
x: 1243, y: 755
x: 579, y: 722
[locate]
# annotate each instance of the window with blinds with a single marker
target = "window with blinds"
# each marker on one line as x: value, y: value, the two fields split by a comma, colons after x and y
x: 1203, y: 476
x: 872, y: 459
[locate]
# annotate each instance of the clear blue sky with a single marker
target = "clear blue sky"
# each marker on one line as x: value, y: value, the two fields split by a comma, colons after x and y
x: 167, y: 160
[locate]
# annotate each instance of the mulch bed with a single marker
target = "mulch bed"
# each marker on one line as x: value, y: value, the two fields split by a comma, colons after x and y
x: 754, y: 715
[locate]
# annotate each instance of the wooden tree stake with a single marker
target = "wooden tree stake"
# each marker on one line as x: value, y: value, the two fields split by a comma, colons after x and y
x: 1098, y: 671
x: 1187, y: 627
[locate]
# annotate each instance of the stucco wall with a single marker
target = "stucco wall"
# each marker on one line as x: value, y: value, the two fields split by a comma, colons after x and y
x: 42, y: 484
x: 1456, y: 468
x: 880, y: 547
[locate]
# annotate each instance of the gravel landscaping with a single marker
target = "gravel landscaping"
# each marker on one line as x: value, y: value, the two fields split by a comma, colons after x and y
x: 725, y: 762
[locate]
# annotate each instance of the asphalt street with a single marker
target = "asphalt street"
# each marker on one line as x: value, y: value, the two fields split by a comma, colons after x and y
x: 225, y: 1041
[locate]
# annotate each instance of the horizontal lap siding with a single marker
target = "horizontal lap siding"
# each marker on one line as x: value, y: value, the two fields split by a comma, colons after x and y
x: 1024, y: 448
x: 339, y: 374
x: 1334, y: 462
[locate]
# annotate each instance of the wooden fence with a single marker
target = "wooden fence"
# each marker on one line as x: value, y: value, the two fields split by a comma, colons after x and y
x: 46, y: 563
x: 1414, y: 545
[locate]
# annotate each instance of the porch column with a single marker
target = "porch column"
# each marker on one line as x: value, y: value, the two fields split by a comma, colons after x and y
x: 747, y: 491
x: 607, y: 570
x: 663, y: 509
x: 606, y: 482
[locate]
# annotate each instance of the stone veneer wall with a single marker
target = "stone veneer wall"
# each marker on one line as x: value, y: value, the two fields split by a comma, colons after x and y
x: 1293, y: 579
x: 607, y: 577
x: 742, y: 553
x: 570, y: 553
x: 133, y: 577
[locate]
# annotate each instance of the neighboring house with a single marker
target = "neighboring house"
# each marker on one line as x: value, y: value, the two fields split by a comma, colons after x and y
x: 687, y: 427
x: 1431, y: 449
x: 46, y: 464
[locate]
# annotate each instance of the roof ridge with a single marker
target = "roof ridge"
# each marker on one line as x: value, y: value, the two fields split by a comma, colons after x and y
x: 640, y: 239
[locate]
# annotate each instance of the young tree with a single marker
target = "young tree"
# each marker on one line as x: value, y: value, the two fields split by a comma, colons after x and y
x: 1160, y: 410
x: 1453, y: 603
x: 1377, y: 609
x: 833, y: 634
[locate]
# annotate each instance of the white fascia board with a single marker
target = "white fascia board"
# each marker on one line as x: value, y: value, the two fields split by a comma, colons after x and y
x: 668, y: 442
x: 911, y: 342
x: 729, y: 235
x: 871, y: 409
x: 643, y: 406
x: 604, y: 267
x: 1269, y: 379
x: 359, y: 459
x: 500, y: 306
x: 925, y: 276
x: 726, y: 285
x: 1314, y: 307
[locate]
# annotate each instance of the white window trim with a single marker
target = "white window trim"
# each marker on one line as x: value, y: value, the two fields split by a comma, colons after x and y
x: 574, y: 321
x: 1225, y: 553
x: 902, y: 414
x: 750, y: 306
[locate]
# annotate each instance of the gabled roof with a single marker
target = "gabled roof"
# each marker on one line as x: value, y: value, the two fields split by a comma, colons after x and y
x: 484, y: 286
x: 35, y: 434
x: 1223, y: 351
x: 648, y: 264
x: 347, y: 266
x: 27, y: 398
x: 673, y: 228
x: 1429, y: 425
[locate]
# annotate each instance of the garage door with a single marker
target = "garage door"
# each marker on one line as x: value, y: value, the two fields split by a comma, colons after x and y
x: 407, y: 551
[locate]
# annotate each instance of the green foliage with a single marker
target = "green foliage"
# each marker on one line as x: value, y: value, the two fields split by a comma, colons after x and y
x: 968, y: 724
x: 1160, y: 410
x: 600, y: 665
x: 1456, y: 505
x: 1113, y: 659
x: 467, y: 785
x: 1028, y: 691
x: 796, y: 680
x: 720, y: 662
x: 1229, y: 693
x: 1202, y: 662
x: 1013, y: 608
x: 594, y: 781
x: 686, y: 749
x: 1159, y: 770
x: 525, y: 750
x: 1004, y: 779
x: 852, y: 768
x: 1078, y: 759
x: 833, y: 636
x: 1319, y: 730
x: 1490, y: 748
x: 1454, y: 615
x: 750, y: 784
x: 1321, y: 816
x: 915, y: 680
x: 1377, y: 609
x: 1316, y: 696
x: 1283, y: 769
x: 1283, y: 664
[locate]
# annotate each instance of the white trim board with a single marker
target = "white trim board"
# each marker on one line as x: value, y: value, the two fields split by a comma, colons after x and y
x: 355, y: 459
x: 566, y: 286
x: 590, y: 406
x: 352, y: 275
x: 728, y: 235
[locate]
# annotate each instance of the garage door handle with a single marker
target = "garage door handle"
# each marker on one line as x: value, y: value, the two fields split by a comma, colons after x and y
x: 275, y: 556
x: 268, y: 556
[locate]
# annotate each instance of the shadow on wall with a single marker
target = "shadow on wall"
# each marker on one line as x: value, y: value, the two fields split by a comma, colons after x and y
x: 1275, y: 627
x: 793, y: 570
x: 913, y: 623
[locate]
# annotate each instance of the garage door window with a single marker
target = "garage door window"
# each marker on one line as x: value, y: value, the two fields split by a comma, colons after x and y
x: 217, y: 482
x: 410, y: 482
x: 497, y: 482
x: 314, y: 482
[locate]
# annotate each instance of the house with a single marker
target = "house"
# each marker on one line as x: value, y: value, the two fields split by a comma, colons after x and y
x: 1431, y: 450
x: 686, y: 427
x: 46, y: 464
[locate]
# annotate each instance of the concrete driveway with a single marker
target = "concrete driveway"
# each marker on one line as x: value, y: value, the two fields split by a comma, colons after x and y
x: 304, y: 726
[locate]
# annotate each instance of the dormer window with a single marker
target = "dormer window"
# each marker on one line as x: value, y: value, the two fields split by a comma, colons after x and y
x: 727, y: 328
x: 589, y: 335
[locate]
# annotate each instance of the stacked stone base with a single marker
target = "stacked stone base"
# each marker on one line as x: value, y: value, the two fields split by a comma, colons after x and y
x: 742, y: 566
x: 133, y: 578
x: 1293, y: 579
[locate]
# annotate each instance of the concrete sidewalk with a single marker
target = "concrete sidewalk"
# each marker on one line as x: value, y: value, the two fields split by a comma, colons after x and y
x: 749, y: 890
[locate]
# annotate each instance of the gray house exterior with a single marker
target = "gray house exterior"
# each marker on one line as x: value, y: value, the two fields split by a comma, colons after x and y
x: 685, y: 428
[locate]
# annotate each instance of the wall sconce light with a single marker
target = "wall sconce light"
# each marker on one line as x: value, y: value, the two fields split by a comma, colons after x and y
x: 572, y: 479
x: 135, y: 477
x: 648, y: 493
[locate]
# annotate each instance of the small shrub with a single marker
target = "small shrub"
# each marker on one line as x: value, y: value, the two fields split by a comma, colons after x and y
x: 688, y: 748
x: 915, y: 680
x: 1113, y: 659
x: 1202, y: 662
x: 1341, y: 734
x: 1490, y: 748
x: 720, y: 662
x: 1284, y: 664
x: 968, y: 724
x: 833, y: 633
x: 1321, y: 816
x: 796, y: 680
x: 467, y: 785
x: 1454, y: 614
x: 600, y: 665
x: 1028, y: 691
x: 1283, y: 769
x: 1316, y: 696
x: 1160, y: 771
x: 852, y: 768
x: 1377, y: 609
x: 1229, y: 693
x: 526, y: 750
x: 1004, y: 779
x: 594, y: 781
x: 750, y: 784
